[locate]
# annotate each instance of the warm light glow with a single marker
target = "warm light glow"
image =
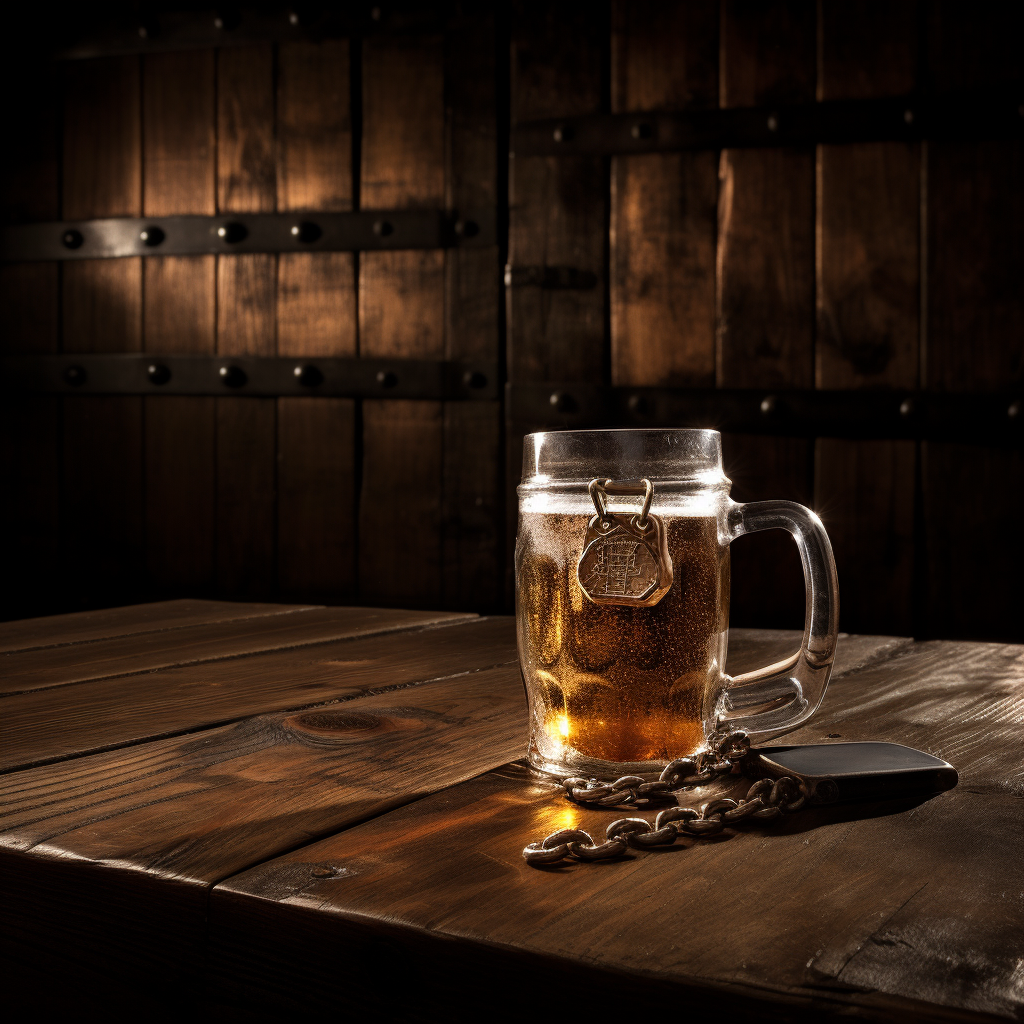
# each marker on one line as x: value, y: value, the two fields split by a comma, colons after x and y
x: 563, y: 725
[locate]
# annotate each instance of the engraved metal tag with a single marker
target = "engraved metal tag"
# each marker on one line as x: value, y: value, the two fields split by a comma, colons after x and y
x: 623, y: 563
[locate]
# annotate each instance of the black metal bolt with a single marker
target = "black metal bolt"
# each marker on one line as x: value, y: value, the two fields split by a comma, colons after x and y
x: 151, y: 236
x: 562, y: 401
x: 72, y: 239
x: 387, y: 379
x: 233, y: 376
x: 907, y: 408
x: 769, y: 405
x: 773, y: 122
x: 466, y: 228
x: 75, y: 375
x: 474, y: 379
x: 308, y: 375
x: 158, y: 373
x: 233, y: 233
x: 383, y: 228
x: 640, y: 405
x: 642, y: 131
x: 307, y: 231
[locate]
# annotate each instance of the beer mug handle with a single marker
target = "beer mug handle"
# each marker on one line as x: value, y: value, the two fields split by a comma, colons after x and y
x: 780, y: 697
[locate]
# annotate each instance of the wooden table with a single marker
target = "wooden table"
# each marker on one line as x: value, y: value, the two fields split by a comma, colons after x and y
x: 288, y: 807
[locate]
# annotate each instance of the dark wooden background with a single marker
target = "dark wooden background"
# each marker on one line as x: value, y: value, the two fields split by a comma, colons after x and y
x: 868, y: 265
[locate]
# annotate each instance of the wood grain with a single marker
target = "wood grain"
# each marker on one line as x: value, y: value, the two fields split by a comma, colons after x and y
x: 472, y: 510
x: 316, y: 316
x: 765, y: 297
x: 102, y: 524
x: 663, y: 224
x: 81, y: 627
x: 307, y: 669
x: 246, y: 430
x: 401, y: 314
x: 868, y: 280
x: 118, y: 656
x: 179, y: 176
x: 558, y: 205
x: 868, y: 910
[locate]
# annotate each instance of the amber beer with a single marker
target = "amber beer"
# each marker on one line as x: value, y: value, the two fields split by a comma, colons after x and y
x: 619, y: 683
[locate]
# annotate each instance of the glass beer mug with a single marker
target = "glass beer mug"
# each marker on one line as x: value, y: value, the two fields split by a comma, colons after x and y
x: 622, y: 602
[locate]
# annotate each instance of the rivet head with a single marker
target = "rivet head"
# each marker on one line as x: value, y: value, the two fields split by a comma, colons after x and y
x: 908, y: 117
x: 308, y: 375
x: 562, y: 401
x: 642, y: 131
x: 773, y: 122
x: 74, y: 375
x: 232, y: 233
x: 466, y: 228
x: 474, y: 379
x: 907, y: 407
x: 306, y: 231
x: 375, y: 13
x: 151, y: 236
x: 769, y: 405
x: 1013, y: 410
x: 640, y: 405
x: 233, y: 376
x: 143, y: 32
x: 562, y: 133
x: 72, y: 239
x: 387, y: 379
x: 158, y: 373
x: 322, y: 872
x: 383, y: 228
x: 293, y: 18
x: 218, y: 22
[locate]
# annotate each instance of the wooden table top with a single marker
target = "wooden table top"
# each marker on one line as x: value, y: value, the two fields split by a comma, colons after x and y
x: 281, y: 807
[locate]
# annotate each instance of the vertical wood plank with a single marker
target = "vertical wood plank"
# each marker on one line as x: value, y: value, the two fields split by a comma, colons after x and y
x: 868, y: 285
x: 102, y: 526
x: 975, y: 341
x: 30, y: 427
x: 765, y: 298
x: 663, y: 215
x: 179, y: 315
x: 316, y: 316
x: 472, y: 512
x: 401, y: 313
x: 558, y: 205
x: 246, y: 285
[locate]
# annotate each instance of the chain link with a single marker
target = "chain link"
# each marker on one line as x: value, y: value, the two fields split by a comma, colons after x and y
x: 766, y: 800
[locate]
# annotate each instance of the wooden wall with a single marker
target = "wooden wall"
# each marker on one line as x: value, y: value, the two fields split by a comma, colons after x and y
x: 868, y: 265
x: 877, y: 265
x: 115, y: 499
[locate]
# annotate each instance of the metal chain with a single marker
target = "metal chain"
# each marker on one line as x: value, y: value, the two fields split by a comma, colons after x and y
x: 766, y: 799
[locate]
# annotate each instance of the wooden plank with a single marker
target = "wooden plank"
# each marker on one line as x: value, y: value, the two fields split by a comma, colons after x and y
x: 299, y: 666
x: 81, y: 627
x: 663, y: 206
x: 179, y: 814
x: 102, y: 529
x: 246, y: 288
x: 975, y: 331
x: 871, y: 909
x: 558, y: 205
x: 472, y: 511
x: 765, y: 294
x: 868, y: 281
x: 29, y: 298
x: 316, y: 316
x: 192, y: 645
x: 401, y: 313
x: 179, y: 316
